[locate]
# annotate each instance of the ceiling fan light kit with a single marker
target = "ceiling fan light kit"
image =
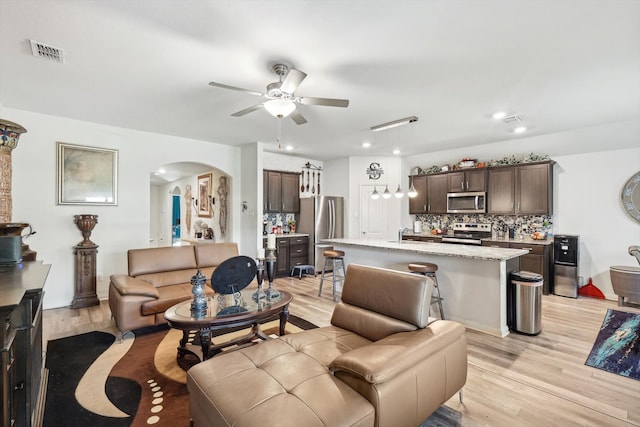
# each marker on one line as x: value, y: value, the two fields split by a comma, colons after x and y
x: 279, y: 107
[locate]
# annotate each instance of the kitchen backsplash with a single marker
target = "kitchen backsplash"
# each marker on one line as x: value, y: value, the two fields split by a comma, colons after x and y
x: 526, y: 224
x: 274, y: 220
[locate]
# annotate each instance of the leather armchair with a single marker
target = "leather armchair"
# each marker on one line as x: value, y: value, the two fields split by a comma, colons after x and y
x: 382, y: 362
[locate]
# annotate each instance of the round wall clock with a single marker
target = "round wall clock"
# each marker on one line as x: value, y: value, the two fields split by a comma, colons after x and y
x: 631, y: 197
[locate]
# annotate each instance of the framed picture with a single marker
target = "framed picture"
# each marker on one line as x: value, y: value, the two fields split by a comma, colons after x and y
x: 205, y: 210
x: 87, y: 175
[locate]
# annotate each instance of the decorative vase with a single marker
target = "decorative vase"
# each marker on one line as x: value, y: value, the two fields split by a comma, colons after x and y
x: 86, y: 224
x: 199, y: 303
x: 9, y: 134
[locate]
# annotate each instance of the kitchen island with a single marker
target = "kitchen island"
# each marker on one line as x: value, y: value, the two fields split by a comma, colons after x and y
x: 472, y: 279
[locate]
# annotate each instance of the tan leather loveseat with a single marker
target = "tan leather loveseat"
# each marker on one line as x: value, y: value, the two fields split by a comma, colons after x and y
x: 159, y: 278
x: 380, y: 363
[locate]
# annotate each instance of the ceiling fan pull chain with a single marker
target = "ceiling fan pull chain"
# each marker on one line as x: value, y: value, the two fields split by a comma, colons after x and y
x: 279, y: 132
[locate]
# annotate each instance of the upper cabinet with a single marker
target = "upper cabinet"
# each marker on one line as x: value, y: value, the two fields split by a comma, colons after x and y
x: 467, y: 181
x: 432, y: 194
x: 281, y: 192
x: 525, y: 189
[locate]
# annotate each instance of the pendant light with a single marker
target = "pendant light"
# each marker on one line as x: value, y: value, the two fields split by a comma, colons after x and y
x: 399, y: 193
x: 412, y: 190
x: 387, y: 193
x: 375, y: 195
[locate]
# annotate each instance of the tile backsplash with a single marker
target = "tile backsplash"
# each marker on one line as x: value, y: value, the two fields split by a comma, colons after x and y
x: 526, y: 224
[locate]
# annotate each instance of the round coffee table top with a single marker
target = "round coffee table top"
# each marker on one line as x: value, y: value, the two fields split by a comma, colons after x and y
x: 222, y: 311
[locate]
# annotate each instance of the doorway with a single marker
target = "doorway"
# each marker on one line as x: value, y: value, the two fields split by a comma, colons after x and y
x: 374, y: 214
x: 175, y: 220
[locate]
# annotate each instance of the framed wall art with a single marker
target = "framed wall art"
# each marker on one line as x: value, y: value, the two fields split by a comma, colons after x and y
x: 87, y: 175
x: 205, y: 210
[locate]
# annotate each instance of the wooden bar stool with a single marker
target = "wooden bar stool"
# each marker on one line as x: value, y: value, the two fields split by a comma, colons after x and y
x: 428, y: 269
x: 335, y: 260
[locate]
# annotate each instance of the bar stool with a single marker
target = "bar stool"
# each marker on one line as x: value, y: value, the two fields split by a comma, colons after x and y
x: 334, y: 259
x: 428, y: 269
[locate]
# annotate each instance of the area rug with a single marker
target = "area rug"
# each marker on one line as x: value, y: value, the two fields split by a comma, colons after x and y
x: 617, y: 347
x: 94, y: 380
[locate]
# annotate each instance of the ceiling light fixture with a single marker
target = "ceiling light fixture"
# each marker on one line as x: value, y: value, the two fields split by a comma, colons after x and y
x: 399, y: 194
x: 499, y: 115
x: 288, y: 148
x: 375, y: 195
x: 394, y: 123
x: 396, y: 151
x: 412, y: 190
x: 280, y: 107
x: 387, y: 193
x: 520, y: 129
x: 366, y: 144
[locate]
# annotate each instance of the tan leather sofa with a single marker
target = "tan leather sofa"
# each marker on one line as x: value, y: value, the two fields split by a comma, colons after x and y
x: 382, y: 362
x: 159, y: 278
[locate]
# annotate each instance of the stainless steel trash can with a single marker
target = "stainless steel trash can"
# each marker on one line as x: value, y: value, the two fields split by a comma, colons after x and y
x: 525, y: 302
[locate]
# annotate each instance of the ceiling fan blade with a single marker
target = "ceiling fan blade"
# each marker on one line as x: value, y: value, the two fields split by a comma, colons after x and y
x: 239, y: 89
x: 247, y: 110
x: 297, y: 117
x: 329, y: 102
x: 292, y: 81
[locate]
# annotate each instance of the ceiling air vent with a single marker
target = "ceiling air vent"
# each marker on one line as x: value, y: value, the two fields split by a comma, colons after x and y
x: 512, y: 118
x: 44, y: 51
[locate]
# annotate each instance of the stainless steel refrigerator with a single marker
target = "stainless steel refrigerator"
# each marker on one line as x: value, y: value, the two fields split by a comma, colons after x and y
x: 321, y: 217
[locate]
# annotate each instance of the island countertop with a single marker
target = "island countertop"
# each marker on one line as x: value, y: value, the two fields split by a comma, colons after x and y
x: 487, y: 253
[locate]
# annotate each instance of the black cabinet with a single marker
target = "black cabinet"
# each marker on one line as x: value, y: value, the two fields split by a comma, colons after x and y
x: 291, y: 251
x: 21, y: 340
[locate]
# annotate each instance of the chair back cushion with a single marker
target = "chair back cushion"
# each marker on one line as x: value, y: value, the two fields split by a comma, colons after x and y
x: 378, y: 302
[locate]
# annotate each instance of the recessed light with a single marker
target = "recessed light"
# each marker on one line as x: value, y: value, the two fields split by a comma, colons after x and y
x: 520, y: 129
x: 499, y: 115
x: 161, y: 170
x: 396, y: 151
x: 289, y: 147
x: 366, y: 144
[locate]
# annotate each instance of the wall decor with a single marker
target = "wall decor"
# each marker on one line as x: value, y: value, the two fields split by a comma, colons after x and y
x: 630, y: 197
x: 205, y: 209
x: 87, y: 175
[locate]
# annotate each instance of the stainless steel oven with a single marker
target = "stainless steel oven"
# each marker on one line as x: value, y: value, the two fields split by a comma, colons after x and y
x: 471, y: 202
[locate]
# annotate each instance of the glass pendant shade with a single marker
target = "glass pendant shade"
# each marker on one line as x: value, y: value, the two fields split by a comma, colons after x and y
x: 375, y: 195
x: 387, y: 193
x: 399, y: 193
x: 412, y: 190
x: 280, y: 107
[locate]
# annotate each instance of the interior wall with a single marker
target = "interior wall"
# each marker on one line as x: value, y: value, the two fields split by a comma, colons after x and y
x: 120, y: 227
x: 251, y: 217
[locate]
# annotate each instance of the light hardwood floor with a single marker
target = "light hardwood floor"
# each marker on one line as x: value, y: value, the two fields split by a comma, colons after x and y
x: 513, y: 381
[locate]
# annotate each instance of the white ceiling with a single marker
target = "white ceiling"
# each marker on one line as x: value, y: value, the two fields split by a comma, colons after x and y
x: 146, y: 64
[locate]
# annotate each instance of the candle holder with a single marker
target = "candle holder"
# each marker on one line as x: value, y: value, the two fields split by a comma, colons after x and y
x: 270, y: 261
x: 259, y: 294
x: 199, y: 303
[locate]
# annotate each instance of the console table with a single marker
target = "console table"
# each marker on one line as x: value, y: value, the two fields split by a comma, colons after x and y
x: 21, y: 291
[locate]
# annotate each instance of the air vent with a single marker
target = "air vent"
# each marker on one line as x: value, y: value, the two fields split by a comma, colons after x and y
x: 44, y: 51
x: 512, y: 118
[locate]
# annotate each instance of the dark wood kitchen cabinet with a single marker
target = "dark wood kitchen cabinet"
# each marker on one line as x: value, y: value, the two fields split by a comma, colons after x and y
x: 525, y: 189
x: 474, y: 180
x: 432, y: 194
x: 418, y: 204
x: 291, y: 251
x: 538, y: 260
x: 437, y: 193
x: 21, y: 287
x: 281, y: 192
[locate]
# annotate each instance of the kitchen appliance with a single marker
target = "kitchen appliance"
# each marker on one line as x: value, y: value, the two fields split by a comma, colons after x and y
x: 565, y: 265
x: 321, y: 217
x: 469, y: 202
x: 468, y: 233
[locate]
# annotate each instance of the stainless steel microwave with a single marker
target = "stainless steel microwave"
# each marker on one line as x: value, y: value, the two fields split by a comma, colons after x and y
x: 471, y: 202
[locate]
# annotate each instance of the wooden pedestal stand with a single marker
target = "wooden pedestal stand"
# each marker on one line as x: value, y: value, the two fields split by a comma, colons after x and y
x: 85, y: 267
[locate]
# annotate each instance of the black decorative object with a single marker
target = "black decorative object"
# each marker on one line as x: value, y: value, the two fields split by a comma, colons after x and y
x: 271, y: 269
x: 259, y: 294
x: 199, y: 303
x: 230, y: 277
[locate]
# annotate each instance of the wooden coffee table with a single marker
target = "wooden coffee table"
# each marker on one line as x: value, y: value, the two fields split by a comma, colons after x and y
x: 223, y: 313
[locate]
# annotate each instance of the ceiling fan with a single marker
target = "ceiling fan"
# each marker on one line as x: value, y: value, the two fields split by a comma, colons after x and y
x: 280, y: 98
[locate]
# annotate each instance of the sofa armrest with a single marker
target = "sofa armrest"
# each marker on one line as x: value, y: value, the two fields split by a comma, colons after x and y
x: 384, y: 359
x: 127, y: 285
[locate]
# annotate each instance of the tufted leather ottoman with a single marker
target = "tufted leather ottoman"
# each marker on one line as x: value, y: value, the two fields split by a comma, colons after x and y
x: 283, y: 382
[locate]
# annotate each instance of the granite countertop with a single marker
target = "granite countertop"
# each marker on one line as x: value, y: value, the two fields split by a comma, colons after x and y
x: 527, y: 239
x: 287, y: 235
x: 431, y: 248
